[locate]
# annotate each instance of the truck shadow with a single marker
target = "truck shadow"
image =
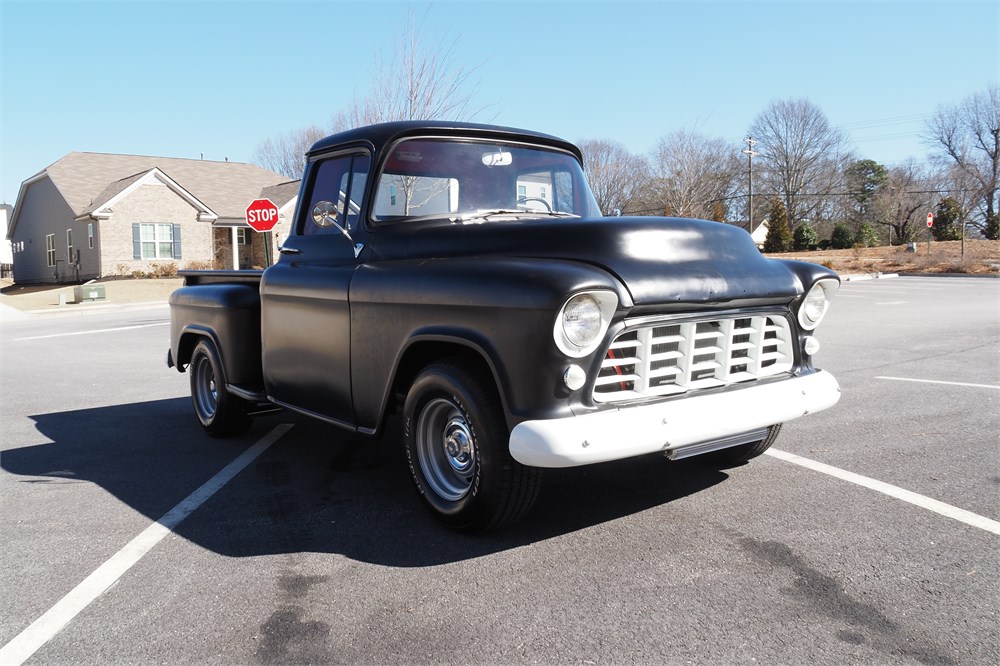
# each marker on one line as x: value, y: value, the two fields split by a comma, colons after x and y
x: 316, y: 489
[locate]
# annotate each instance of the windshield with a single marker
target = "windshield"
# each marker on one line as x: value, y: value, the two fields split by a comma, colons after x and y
x: 475, y: 181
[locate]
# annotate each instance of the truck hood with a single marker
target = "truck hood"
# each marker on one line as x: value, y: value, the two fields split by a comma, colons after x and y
x: 659, y: 260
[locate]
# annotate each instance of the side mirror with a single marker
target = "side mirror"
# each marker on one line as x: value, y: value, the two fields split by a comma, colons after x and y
x: 325, y: 214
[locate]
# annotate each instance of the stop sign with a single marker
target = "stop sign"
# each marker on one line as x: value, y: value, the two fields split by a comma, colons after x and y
x: 262, y: 215
x: 930, y: 219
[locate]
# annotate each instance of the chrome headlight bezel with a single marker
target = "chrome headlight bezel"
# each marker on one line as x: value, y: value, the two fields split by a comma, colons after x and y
x: 814, y: 306
x: 583, y: 321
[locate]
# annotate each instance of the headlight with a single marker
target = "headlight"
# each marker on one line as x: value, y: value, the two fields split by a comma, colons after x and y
x: 816, y: 303
x: 582, y: 322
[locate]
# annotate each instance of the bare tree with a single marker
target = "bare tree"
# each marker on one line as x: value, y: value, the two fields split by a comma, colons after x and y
x: 968, y: 135
x: 801, y: 157
x: 419, y: 82
x: 903, y: 201
x: 616, y: 175
x: 286, y: 154
x: 694, y: 175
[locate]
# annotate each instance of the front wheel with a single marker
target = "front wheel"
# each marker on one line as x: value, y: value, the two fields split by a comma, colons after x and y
x: 220, y: 413
x: 457, y: 446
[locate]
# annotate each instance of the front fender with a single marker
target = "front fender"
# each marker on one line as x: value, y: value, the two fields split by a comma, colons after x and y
x: 501, y: 308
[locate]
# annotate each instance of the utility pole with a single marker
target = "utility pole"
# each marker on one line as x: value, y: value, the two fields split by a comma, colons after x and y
x: 750, y: 153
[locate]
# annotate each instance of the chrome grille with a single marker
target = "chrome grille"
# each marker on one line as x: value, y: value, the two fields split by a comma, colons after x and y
x: 666, y: 358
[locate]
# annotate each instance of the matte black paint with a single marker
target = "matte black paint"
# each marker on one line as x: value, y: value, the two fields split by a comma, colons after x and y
x: 336, y: 330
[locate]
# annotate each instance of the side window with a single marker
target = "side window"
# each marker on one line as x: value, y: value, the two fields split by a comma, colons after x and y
x: 339, y: 181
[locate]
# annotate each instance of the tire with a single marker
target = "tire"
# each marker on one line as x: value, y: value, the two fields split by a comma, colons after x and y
x: 457, y: 446
x: 737, y: 455
x: 220, y: 413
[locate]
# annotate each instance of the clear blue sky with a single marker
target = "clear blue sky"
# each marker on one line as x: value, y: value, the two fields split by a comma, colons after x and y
x: 182, y: 79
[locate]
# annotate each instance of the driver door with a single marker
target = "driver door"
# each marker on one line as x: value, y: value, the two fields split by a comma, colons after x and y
x: 306, y: 317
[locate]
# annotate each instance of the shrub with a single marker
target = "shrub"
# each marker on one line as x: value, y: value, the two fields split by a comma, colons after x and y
x: 166, y: 270
x: 867, y: 236
x: 842, y: 238
x: 199, y: 266
x: 805, y: 237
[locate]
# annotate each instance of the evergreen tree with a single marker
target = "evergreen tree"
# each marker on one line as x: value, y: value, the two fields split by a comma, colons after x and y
x: 842, y: 238
x: 947, y: 220
x: 779, y: 236
x: 992, y: 228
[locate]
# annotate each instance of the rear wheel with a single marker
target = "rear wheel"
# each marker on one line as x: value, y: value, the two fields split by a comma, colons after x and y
x: 457, y: 445
x: 736, y: 455
x: 220, y: 413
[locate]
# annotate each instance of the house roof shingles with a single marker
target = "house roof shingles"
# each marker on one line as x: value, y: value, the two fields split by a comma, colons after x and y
x: 86, y: 180
x: 281, y: 193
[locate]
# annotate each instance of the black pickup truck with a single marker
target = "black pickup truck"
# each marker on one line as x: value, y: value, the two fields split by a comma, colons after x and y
x: 463, y: 274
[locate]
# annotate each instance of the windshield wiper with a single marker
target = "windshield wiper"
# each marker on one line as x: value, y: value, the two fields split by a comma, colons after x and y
x: 486, y: 214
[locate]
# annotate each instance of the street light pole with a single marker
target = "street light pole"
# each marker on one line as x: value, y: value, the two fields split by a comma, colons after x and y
x: 750, y: 152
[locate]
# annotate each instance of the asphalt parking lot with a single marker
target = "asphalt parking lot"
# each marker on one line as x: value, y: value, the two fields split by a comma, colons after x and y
x: 870, y: 536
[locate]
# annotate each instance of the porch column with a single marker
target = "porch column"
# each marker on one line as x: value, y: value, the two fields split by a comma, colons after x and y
x: 236, y: 249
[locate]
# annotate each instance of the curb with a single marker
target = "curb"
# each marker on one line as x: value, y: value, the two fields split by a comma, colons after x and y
x: 867, y: 276
x: 10, y: 313
x: 953, y: 275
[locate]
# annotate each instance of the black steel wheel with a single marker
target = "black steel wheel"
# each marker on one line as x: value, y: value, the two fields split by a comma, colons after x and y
x: 220, y: 413
x: 457, y: 446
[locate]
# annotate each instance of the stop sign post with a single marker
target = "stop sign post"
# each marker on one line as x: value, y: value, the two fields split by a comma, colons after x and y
x: 262, y: 215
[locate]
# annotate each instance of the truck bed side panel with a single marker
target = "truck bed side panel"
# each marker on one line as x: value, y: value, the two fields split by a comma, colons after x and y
x: 230, y: 315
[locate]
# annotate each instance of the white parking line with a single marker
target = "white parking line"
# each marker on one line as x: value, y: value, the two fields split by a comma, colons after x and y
x: 961, y: 515
x: 98, y: 330
x: 25, y: 644
x: 935, y: 381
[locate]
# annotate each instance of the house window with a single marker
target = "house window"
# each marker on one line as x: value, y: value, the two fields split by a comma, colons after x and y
x: 157, y: 241
x: 69, y: 246
x: 50, y: 250
x: 90, y: 235
x: 522, y: 192
x: 392, y: 195
x: 243, y: 236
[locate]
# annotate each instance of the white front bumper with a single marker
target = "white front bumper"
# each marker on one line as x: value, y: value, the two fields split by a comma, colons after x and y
x: 662, y: 426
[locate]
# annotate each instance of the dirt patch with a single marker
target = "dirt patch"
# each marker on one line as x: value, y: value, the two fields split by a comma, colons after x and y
x: 982, y: 257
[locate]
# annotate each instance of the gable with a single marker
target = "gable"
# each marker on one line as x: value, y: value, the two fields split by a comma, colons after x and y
x: 148, y: 185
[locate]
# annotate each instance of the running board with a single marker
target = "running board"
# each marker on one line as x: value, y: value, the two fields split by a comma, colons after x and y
x: 260, y: 404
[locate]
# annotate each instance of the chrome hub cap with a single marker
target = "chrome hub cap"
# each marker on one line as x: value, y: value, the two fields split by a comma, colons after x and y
x: 445, y: 449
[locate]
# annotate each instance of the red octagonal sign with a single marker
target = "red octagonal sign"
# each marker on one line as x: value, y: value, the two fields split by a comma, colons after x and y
x: 262, y: 215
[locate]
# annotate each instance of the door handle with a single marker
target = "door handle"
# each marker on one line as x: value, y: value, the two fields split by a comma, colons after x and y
x: 289, y: 250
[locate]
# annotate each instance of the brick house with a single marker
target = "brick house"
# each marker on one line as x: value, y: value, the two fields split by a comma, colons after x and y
x: 92, y: 215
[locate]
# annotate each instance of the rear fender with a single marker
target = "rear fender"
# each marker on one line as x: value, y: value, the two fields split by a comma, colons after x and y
x: 227, y: 314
